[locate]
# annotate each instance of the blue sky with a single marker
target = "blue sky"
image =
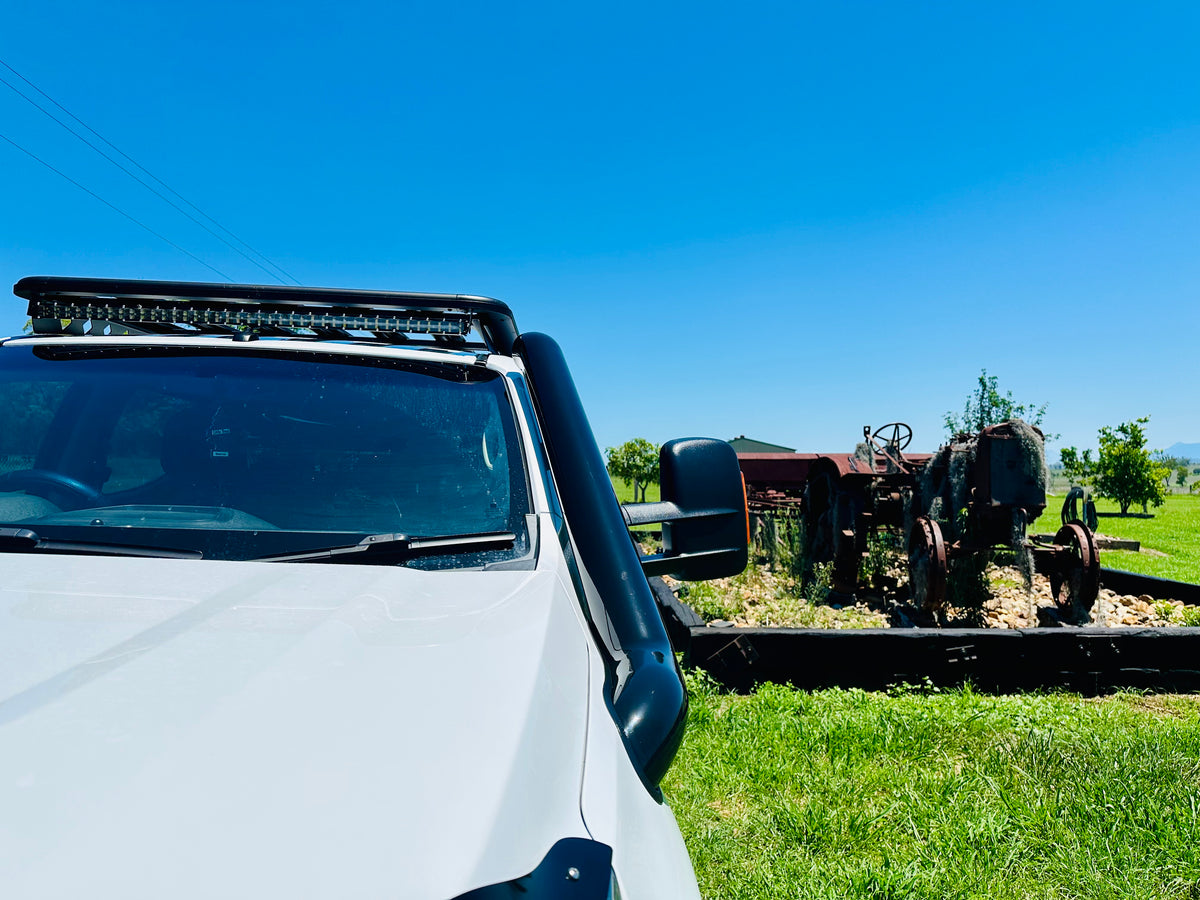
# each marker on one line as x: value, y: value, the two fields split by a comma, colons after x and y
x: 784, y: 220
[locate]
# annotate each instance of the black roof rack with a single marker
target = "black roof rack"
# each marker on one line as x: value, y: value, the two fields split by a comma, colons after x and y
x: 59, y: 305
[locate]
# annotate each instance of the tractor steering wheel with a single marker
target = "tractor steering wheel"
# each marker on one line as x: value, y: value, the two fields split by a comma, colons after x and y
x: 900, y: 437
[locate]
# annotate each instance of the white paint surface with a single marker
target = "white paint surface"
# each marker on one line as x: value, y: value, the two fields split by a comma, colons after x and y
x: 200, y: 729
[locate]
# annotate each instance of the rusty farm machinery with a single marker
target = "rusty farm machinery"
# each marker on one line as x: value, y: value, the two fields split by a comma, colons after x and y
x: 946, y: 510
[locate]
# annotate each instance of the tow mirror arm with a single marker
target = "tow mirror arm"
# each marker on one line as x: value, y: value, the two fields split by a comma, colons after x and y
x: 703, y: 512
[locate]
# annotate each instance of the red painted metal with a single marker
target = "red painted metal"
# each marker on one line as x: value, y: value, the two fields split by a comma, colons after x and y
x: 778, y: 470
x: 782, y: 471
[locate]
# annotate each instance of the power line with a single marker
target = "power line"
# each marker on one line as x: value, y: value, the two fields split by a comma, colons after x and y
x: 114, y: 208
x: 148, y: 173
x: 148, y: 187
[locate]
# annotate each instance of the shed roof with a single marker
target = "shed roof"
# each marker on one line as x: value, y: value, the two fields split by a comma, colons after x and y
x: 743, y: 444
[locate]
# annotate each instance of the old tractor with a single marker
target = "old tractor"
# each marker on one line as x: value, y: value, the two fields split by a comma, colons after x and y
x: 976, y: 493
x: 982, y: 491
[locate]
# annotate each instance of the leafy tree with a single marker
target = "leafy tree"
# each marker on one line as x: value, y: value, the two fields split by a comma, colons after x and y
x: 1181, y: 474
x: 987, y: 406
x: 1124, y: 469
x: 635, y: 461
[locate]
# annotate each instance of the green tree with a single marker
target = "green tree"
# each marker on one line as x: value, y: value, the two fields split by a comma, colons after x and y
x: 987, y: 406
x: 1124, y: 470
x: 635, y: 461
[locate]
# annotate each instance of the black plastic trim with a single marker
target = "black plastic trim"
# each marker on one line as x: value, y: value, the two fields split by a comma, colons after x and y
x: 573, y: 869
x: 666, y: 511
x: 651, y: 706
x: 660, y: 564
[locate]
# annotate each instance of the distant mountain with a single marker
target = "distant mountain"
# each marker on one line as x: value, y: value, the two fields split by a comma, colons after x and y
x: 1185, y: 451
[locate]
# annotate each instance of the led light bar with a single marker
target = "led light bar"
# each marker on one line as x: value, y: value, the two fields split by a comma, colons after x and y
x: 234, y: 317
x: 117, y: 306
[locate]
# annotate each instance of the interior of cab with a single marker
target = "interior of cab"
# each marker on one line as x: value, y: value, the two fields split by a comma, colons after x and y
x: 285, y: 442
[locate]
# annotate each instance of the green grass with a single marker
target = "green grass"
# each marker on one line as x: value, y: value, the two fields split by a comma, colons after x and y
x: 840, y: 794
x: 624, y: 491
x: 1174, y: 530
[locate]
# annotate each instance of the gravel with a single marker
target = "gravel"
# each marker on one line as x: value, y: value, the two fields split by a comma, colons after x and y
x: 1011, y: 607
x: 761, y: 598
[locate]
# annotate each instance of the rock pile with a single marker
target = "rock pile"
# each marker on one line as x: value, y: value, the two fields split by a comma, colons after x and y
x: 1012, y: 607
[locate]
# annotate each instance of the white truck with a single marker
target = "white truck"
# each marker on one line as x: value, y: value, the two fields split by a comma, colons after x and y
x: 316, y: 593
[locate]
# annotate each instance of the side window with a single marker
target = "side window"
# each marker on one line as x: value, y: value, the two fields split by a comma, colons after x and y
x: 135, y: 448
x: 27, y: 408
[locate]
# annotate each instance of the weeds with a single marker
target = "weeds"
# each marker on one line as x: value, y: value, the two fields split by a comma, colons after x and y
x: 819, y: 583
x: 967, y: 584
x: 884, y: 561
x: 711, y: 604
x: 779, y: 542
x: 758, y: 597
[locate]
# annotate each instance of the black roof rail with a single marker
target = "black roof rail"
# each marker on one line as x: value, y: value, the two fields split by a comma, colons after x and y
x: 161, y: 306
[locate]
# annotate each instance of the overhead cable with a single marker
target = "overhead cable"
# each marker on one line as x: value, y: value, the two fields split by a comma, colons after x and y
x: 149, y: 174
x: 114, y: 207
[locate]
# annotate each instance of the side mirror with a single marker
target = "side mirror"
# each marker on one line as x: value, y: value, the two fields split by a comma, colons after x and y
x: 705, y: 527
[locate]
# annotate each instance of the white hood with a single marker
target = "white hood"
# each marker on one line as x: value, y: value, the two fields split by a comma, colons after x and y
x: 177, y: 728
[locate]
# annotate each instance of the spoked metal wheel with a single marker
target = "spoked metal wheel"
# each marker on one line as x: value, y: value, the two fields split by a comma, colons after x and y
x: 1075, y: 576
x: 927, y: 564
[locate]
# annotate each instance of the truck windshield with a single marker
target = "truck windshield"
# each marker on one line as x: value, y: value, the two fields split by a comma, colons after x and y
x: 248, y: 453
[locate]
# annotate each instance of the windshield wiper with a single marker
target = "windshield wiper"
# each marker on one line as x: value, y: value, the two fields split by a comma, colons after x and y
x: 25, y: 540
x: 388, y: 546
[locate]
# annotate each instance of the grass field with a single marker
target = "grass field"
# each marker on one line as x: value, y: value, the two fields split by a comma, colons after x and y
x: 1174, y: 531
x: 925, y: 794
x: 841, y: 794
x: 848, y: 794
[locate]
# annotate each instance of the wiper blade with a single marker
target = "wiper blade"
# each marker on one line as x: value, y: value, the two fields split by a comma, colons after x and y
x: 401, y: 545
x: 25, y: 540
